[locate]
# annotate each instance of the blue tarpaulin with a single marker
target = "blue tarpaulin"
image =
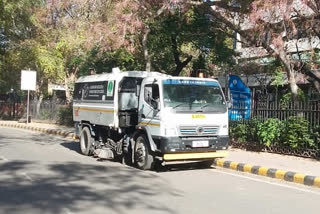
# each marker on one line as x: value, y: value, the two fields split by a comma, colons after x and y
x: 240, y: 99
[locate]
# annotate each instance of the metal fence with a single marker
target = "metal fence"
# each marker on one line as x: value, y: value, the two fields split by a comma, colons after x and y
x: 309, y: 110
x: 46, y: 110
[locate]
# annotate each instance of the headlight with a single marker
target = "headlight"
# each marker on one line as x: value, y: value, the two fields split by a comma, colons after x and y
x: 170, y: 130
x: 224, y: 130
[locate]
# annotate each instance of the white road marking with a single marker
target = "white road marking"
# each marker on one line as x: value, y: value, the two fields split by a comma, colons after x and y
x: 268, y: 182
x: 3, y: 158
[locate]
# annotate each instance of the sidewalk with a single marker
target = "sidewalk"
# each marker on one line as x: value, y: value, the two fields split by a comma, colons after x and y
x: 289, y: 168
x: 277, y: 161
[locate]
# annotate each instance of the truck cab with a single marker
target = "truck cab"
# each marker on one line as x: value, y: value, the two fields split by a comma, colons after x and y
x: 187, y: 118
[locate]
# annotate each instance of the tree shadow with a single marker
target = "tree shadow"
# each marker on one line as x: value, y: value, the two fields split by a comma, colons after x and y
x: 74, y: 186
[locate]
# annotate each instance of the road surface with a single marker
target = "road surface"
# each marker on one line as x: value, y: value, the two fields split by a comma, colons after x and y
x: 42, y: 174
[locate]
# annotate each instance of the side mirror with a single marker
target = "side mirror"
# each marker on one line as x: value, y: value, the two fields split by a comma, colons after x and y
x: 229, y: 104
x: 155, y: 104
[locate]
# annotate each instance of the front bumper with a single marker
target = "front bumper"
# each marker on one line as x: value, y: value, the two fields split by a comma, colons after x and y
x: 184, y: 144
x: 194, y: 156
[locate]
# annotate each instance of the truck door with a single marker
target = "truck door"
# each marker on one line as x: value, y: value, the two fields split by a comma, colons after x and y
x: 150, y: 106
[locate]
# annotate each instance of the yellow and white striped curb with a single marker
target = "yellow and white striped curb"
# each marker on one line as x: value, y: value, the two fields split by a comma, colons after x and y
x: 270, y: 172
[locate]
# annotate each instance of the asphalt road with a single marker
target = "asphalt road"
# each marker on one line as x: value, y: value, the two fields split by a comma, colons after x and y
x: 45, y: 174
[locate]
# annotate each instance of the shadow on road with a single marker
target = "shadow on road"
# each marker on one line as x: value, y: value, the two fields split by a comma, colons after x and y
x: 183, y: 167
x: 79, y: 187
x: 72, y: 145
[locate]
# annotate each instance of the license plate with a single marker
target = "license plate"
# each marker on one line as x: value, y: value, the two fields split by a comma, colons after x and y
x: 200, y: 143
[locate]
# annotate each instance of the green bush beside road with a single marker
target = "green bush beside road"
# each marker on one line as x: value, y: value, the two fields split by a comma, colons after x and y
x: 294, y: 133
x: 65, y: 116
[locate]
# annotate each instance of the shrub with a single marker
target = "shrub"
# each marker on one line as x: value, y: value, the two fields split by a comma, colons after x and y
x: 316, y: 136
x: 244, y: 132
x: 269, y: 131
x: 252, y: 129
x: 65, y: 115
x: 47, y: 115
x: 238, y: 131
x: 296, y: 133
x: 293, y: 133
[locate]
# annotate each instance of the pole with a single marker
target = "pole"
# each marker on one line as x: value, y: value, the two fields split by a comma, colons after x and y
x: 227, y: 87
x: 28, y: 108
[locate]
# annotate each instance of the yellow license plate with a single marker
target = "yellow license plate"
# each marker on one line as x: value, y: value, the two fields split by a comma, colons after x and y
x: 198, y: 116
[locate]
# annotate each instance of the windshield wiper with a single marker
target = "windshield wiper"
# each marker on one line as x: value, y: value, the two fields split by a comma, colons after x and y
x: 180, y: 104
x: 205, y: 105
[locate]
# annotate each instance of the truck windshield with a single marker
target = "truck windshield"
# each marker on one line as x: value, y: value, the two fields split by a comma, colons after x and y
x: 193, y: 95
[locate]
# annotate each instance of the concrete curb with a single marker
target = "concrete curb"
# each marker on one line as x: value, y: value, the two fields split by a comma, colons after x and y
x: 58, y: 132
x: 270, y: 172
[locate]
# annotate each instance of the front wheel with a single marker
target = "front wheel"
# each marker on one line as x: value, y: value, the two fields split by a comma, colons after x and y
x: 142, y: 157
x: 86, y: 141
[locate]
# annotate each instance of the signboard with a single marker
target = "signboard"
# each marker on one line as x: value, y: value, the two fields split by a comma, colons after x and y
x: 28, y: 80
x: 56, y: 87
x: 189, y: 82
x: 241, y: 99
x: 110, y: 89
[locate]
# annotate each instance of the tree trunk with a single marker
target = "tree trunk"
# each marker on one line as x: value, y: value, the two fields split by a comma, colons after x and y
x: 293, y: 84
x: 39, y: 96
x: 279, y: 52
x: 69, y: 82
x: 179, y: 65
x: 313, y: 77
x: 290, y: 73
x: 38, y: 104
x: 145, y: 49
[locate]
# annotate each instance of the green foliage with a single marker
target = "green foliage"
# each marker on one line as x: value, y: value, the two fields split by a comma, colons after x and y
x: 63, y: 41
x: 196, y: 36
x: 293, y: 133
x: 238, y: 131
x: 104, y: 62
x: 244, y: 132
x: 47, y: 115
x: 65, y: 115
x: 278, y: 77
x: 286, y: 99
x: 296, y: 133
x: 49, y: 63
x: 252, y: 129
x: 269, y: 131
x: 16, y: 19
x: 316, y: 135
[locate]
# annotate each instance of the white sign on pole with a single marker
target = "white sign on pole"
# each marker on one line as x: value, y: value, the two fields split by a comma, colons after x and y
x: 28, y: 80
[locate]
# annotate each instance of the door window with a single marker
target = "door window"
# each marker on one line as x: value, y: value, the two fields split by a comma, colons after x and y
x: 151, y: 95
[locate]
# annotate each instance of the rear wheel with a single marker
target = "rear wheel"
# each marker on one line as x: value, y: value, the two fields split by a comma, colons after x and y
x: 86, y: 141
x: 142, y: 157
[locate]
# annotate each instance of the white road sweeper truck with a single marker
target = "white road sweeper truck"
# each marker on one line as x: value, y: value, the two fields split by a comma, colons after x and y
x: 143, y: 118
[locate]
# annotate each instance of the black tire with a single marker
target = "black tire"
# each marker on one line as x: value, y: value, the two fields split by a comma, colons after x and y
x: 142, y: 157
x: 86, y: 141
x: 207, y: 163
x: 127, y: 157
